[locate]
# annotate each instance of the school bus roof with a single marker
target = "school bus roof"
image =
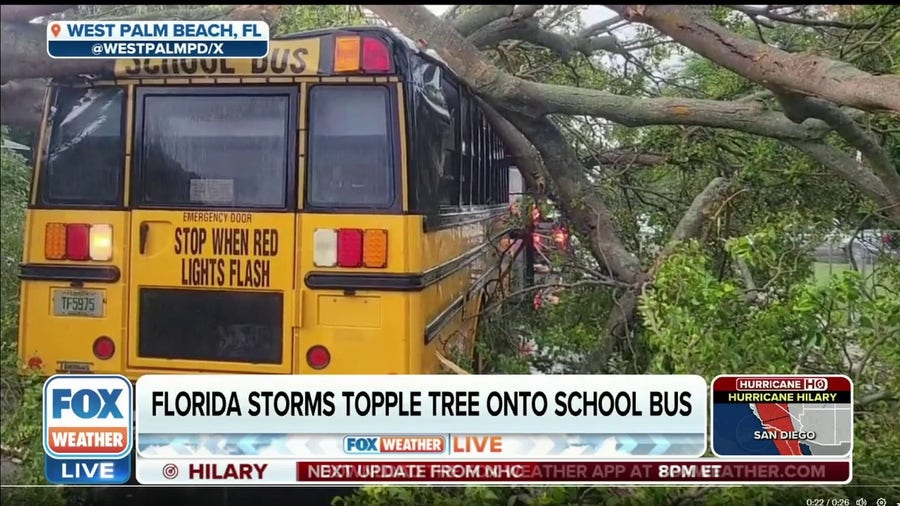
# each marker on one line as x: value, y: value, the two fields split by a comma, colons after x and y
x: 310, y: 53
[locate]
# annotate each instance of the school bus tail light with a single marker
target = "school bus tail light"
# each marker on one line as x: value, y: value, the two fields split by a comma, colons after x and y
x: 365, y: 54
x: 101, y: 243
x: 78, y: 242
x: 318, y: 357
x: 350, y: 248
x: 375, y: 55
x: 346, y: 54
x: 104, y: 348
x: 55, y: 241
x: 375, y: 248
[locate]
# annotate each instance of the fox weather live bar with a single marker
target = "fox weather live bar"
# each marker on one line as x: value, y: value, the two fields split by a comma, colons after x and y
x: 158, y: 39
x: 87, y: 433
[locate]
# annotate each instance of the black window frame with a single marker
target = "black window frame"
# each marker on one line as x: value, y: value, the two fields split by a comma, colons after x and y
x: 454, y: 161
x: 137, y: 179
x: 41, y: 198
x: 397, y: 197
x: 477, y: 156
x: 484, y: 166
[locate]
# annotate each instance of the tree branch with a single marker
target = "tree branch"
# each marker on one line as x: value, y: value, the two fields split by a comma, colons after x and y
x: 766, y: 65
x: 600, y: 27
x: 755, y: 12
x: 624, y: 157
x: 798, y: 108
x: 25, y: 56
x: 25, y: 13
x: 23, y: 103
x: 849, y: 170
x: 536, y: 99
x: 475, y: 17
x: 745, y: 116
x: 623, y: 313
x: 529, y: 30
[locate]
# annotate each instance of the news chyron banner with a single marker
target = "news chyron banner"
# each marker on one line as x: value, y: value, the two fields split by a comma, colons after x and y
x: 87, y: 429
x: 785, y: 416
x: 157, y: 39
x: 414, y: 428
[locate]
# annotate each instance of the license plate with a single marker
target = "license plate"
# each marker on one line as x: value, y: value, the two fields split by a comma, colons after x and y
x: 78, y: 303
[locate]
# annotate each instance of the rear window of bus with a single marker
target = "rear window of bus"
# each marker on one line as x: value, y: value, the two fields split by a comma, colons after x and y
x: 85, y: 157
x: 351, y: 151
x: 215, y: 149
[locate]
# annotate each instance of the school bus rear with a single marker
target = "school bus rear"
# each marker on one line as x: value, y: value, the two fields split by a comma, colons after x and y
x: 186, y: 216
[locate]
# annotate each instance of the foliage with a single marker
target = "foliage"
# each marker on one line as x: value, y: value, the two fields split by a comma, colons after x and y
x: 21, y: 396
x: 297, y: 18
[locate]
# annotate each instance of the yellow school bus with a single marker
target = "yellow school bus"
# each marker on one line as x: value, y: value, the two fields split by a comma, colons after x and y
x: 337, y: 207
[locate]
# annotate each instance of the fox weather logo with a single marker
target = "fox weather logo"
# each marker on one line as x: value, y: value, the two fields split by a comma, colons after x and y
x: 361, y: 444
x: 87, y: 429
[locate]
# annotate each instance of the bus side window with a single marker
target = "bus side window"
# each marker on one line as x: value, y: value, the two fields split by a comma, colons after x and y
x: 85, y: 159
x: 351, y: 147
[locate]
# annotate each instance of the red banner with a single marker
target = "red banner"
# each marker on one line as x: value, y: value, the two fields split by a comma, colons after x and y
x: 714, y: 471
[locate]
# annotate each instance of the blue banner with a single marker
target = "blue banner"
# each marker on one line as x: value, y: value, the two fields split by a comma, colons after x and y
x: 160, y: 49
x: 87, y: 471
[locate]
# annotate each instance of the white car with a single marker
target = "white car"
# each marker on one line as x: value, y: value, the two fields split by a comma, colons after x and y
x: 868, y: 245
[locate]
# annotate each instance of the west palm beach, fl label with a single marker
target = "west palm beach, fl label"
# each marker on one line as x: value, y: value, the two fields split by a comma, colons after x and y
x: 788, y: 416
x: 157, y: 39
x: 87, y: 429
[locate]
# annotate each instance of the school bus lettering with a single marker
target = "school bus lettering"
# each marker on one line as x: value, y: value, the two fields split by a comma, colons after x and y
x: 216, y: 217
x: 230, y: 241
x: 285, y: 58
x: 189, y: 241
x: 208, y: 270
x: 249, y: 273
x: 265, y: 242
x: 170, y: 66
x: 203, y: 271
x: 280, y: 61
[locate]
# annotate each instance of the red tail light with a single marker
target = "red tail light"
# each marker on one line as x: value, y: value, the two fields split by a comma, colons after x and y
x: 349, y: 247
x: 318, y: 357
x: 375, y: 55
x: 78, y: 241
x: 104, y: 348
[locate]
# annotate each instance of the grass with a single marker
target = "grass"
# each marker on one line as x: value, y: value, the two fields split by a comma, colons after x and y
x: 823, y: 271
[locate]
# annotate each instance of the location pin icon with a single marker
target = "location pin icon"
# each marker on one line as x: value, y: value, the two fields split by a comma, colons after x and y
x: 54, y: 28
